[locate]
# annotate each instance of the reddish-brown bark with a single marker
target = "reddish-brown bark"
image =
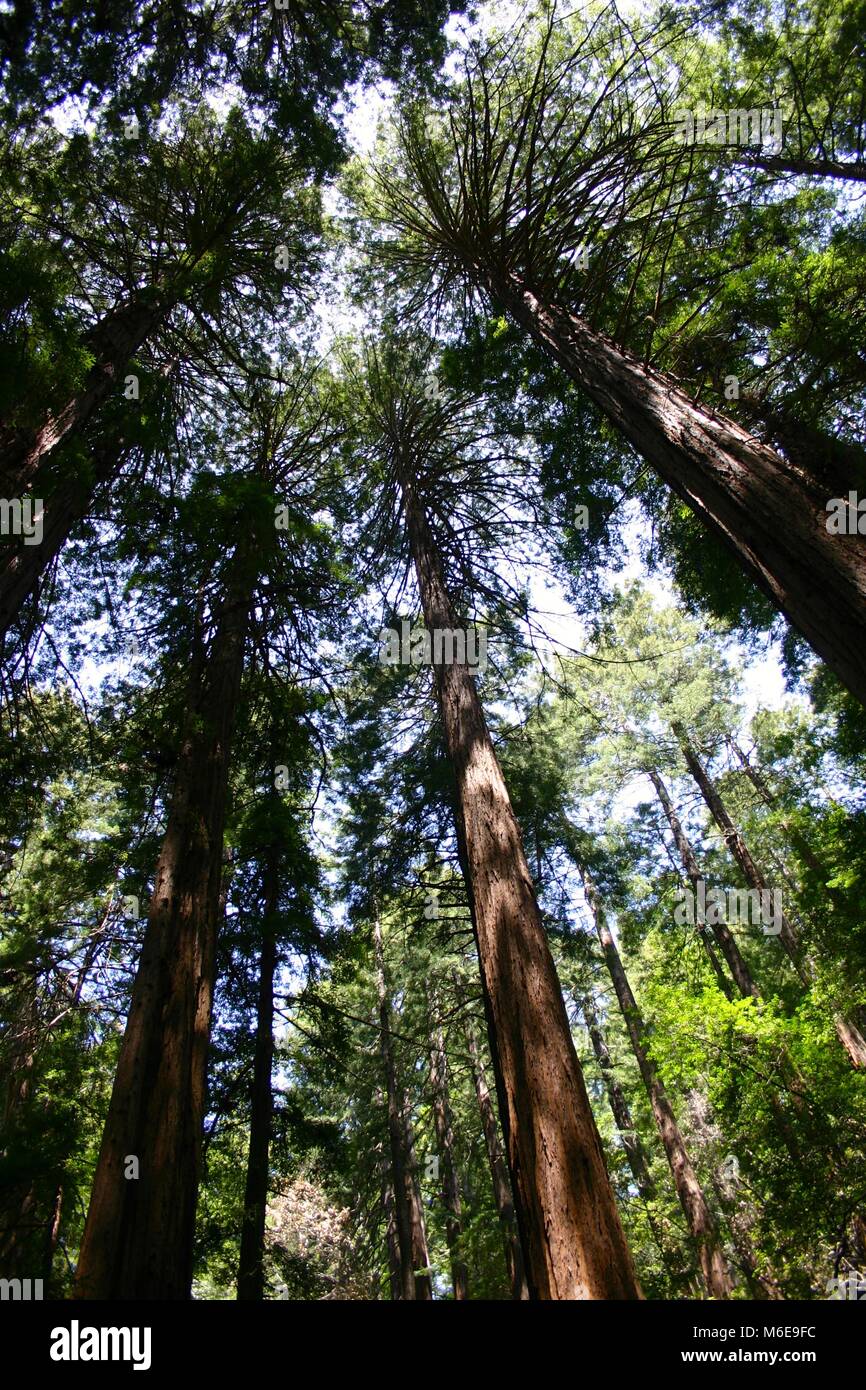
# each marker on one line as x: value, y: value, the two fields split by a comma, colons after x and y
x: 771, y: 514
x: 113, y: 342
x: 572, y: 1240
x: 138, y: 1238
x: 634, y: 1150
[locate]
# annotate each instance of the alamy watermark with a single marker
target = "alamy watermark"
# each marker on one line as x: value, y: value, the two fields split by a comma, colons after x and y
x: 733, y: 906
x: 21, y: 1290
x: 77, y: 1343
x: 22, y: 516
x: 847, y: 518
x: 851, y: 1288
x: 756, y: 126
x: 444, y: 646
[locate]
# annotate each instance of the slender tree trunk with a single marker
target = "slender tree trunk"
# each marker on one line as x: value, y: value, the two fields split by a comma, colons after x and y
x: 499, y: 1176
x: 718, y: 970
x: 797, y: 840
x: 742, y: 975
x: 251, y: 1273
x: 848, y: 1034
x: 727, y: 945
x: 420, y: 1253
x: 692, y: 1200
x: 52, y: 1235
x: 402, y: 1183
x: 572, y: 1239
x: 771, y: 516
x: 616, y: 1099
x: 114, y: 342
x: 737, y: 847
x: 444, y: 1127
x: 722, y: 980
x: 20, y: 1201
x: 32, y: 1206
x: 631, y: 1139
x: 138, y: 1239
x: 762, y: 1285
x: 392, y: 1235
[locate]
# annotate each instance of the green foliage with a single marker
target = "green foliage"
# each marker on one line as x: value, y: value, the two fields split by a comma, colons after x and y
x: 265, y: 465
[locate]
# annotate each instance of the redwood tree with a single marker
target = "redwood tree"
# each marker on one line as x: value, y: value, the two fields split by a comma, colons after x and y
x: 138, y: 1239
x: 572, y: 1240
x: 533, y: 160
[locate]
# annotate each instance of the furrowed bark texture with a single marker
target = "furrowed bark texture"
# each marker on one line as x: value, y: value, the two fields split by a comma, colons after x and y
x: 138, y: 1239
x: 573, y: 1243
x: 771, y: 515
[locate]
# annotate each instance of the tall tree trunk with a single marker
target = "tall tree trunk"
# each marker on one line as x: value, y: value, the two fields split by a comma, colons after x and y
x: 572, y: 1239
x: 631, y: 1139
x: 251, y: 1273
x: 727, y: 945
x: 392, y: 1235
x: 692, y: 1200
x: 762, y: 1285
x: 420, y: 1253
x: 114, y: 342
x: 444, y: 1127
x: 634, y: 1150
x: 795, y: 838
x: 21, y: 566
x: 769, y: 514
x: 502, y: 1195
x: 19, y: 1200
x: 737, y: 847
x: 848, y: 1034
x: 499, y: 1176
x: 402, y: 1182
x: 742, y: 975
x: 838, y: 464
x: 138, y: 1239
x: 34, y: 1206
